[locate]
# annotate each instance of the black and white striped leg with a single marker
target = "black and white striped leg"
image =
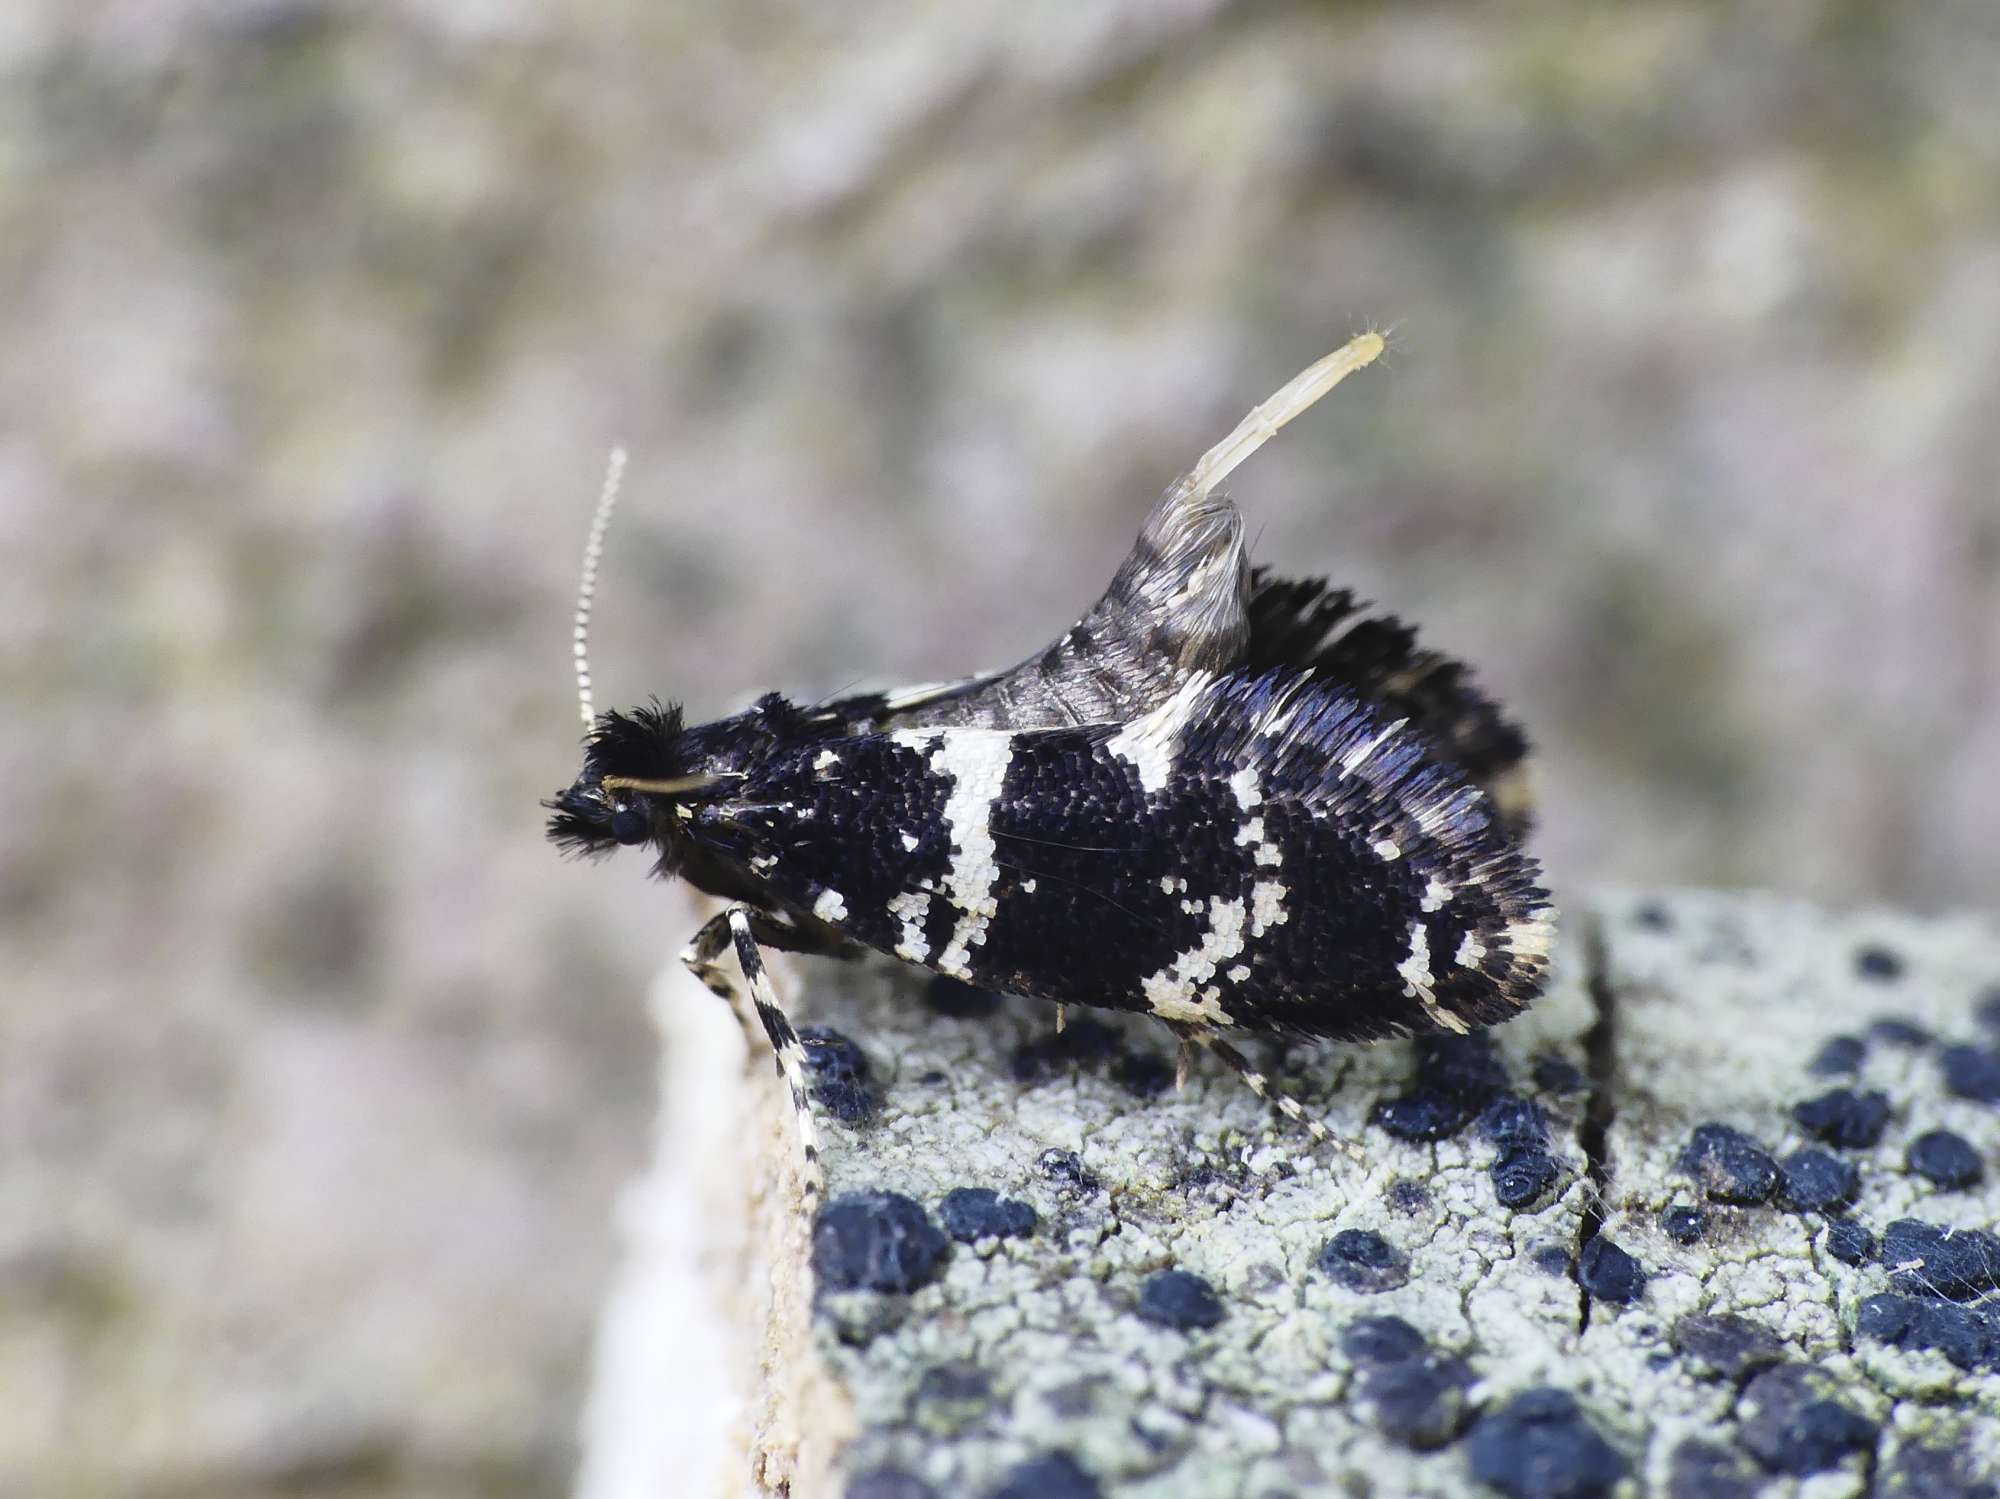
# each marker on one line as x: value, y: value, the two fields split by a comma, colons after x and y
x: 703, y: 956
x: 1259, y: 1084
x: 735, y: 927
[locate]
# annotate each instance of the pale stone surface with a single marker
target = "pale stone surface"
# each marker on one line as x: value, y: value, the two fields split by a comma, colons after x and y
x: 1692, y: 1008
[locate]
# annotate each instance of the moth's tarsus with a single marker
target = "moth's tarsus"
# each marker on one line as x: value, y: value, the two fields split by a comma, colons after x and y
x: 1243, y: 805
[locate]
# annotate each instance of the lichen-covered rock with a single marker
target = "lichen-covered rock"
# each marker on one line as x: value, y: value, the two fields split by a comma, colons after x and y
x: 1207, y: 1304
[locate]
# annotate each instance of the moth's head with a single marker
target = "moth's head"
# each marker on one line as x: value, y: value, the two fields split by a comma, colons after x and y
x: 638, y: 768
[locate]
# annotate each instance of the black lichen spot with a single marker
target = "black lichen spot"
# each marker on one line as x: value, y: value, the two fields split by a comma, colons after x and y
x: 1422, y: 1404
x: 973, y: 1213
x: 1840, y: 1056
x: 1684, y: 1224
x: 1970, y: 1072
x: 1655, y: 918
x: 1952, y: 1263
x: 1729, y: 1165
x: 1816, y: 1182
x: 1407, y: 1196
x: 1082, y: 1042
x: 1792, y: 1422
x: 1456, y: 1077
x: 951, y: 1397
x: 1850, y: 1120
x: 1933, y: 1473
x: 1362, y: 1260
x: 1878, y: 963
x: 1539, y: 1445
x: 1055, y: 1476
x: 838, y: 1074
x: 1559, y: 1076
x: 1894, y: 1030
x: 1414, y: 1395
x: 1726, y: 1346
x: 960, y: 1000
x: 1947, y: 1159
x: 1523, y: 1175
x: 1608, y: 1273
x: 1374, y: 1341
x: 1702, y: 1470
x: 1513, y: 1120
x: 1552, y: 1259
x: 953, y: 1382
x: 1144, y: 1074
x: 888, y: 1483
x: 1179, y: 1299
x: 875, y: 1241
x: 1418, y: 1115
x: 1968, y: 1336
x: 1987, y: 1010
x: 1066, y: 1169
x: 1849, y: 1242
x: 1217, y: 1186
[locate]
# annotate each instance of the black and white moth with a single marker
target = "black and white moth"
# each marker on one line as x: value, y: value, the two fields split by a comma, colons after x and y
x: 1245, y: 805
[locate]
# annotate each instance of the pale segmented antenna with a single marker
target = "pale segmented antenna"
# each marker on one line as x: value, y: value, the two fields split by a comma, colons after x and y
x: 586, y: 588
x: 1262, y: 424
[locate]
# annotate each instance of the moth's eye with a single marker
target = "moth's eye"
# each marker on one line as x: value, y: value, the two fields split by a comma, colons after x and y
x: 629, y: 824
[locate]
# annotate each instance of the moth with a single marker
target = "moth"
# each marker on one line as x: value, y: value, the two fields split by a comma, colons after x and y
x: 1246, y: 805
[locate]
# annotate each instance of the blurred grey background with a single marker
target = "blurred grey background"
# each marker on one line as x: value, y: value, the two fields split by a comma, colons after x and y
x: 319, y: 1072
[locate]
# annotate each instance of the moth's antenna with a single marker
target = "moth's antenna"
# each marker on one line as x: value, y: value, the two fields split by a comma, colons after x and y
x: 1262, y: 424
x: 586, y: 588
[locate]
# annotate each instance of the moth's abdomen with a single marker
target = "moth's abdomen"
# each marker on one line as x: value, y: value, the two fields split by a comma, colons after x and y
x: 1261, y: 853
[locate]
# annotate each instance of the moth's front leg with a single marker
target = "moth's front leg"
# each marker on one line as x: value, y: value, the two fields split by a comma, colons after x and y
x: 703, y: 953
x: 742, y: 928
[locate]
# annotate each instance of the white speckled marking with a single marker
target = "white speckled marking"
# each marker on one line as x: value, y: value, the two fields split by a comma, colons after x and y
x: 1436, y: 893
x: 909, y: 842
x: 831, y: 906
x: 911, y: 908
x: 1530, y: 936
x: 1416, y: 968
x: 1416, y: 972
x: 1386, y: 849
x: 1028, y: 887
x: 1470, y: 951
x: 825, y: 758
x: 1148, y: 743
x: 1175, y: 992
x: 1267, y: 906
x: 1248, y: 786
x: 976, y: 760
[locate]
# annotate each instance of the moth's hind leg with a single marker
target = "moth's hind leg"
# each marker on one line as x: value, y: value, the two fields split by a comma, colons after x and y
x: 1260, y: 1084
x: 738, y: 927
